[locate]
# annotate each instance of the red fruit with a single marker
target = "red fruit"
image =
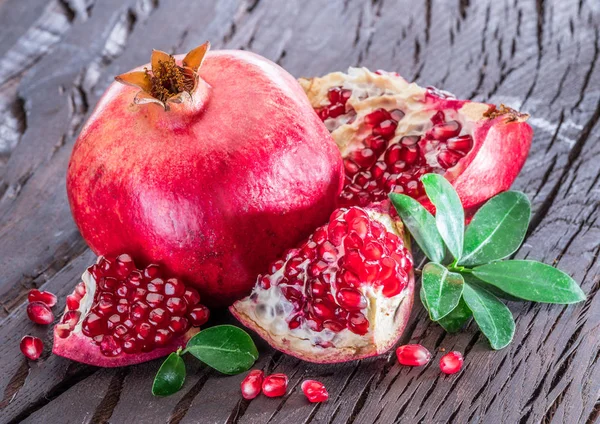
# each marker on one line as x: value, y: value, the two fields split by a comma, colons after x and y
x: 413, y: 355
x: 275, y: 385
x: 215, y: 187
x: 340, y: 309
x: 40, y: 313
x: 315, y: 391
x: 31, y: 347
x: 42, y: 296
x: 451, y: 363
x: 410, y: 131
x: 105, y: 330
x: 252, y: 384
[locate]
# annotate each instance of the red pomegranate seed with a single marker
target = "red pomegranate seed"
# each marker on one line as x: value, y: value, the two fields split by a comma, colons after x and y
x: 314, y: 391
x: 445, y: 130
x: 176, y: 305
x: 461, y: 144
x: 275, y: 385
x: 252, y: 384
x: 191, y: 296
x: 39, y: 313
x: 322, y: 310
x: 451, y: 363
x: 351, y: 299
x: 159, y: 317
x: 179, y: 324
x: 152, y: 271
x: 448, y: 158
x: 358, y: 323
x: 413, y: 355
x: 42, y: 296
x: 72, y: 302
x: 31, y: 347
x: 157, y: 285
x: 363, y: 157
x: 376, y: 117
x: 109, y: 346
x: 199, y: 315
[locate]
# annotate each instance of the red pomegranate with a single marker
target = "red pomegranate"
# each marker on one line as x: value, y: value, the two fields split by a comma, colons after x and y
x: 216, y: 166
x: 120, y: 315
x: 343, y: 294
x: 390, y: 133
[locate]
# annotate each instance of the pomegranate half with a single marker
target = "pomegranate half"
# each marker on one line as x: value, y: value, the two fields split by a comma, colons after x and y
x: 391, y: 132
x: 344, y: 294
x: 212, y: 163
x: 119, y: 315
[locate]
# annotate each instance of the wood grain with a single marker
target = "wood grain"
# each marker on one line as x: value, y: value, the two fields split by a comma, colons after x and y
x: 58, y: 56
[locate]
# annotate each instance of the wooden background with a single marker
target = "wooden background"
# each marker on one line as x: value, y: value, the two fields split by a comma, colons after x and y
x: 57, y: 57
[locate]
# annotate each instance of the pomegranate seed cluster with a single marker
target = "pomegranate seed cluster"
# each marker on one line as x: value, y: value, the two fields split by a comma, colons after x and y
x: 326, y: 278
x: 132, y: 310
x: 383, y: 163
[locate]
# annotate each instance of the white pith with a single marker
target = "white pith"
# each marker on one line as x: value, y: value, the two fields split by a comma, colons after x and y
x: 372, y: 91
x: 85, y: 303
x: 270, y: 310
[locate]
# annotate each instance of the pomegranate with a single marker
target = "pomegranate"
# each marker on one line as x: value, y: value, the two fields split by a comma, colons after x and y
x: 48, y: 298
x: 451, y: 363
x: 40, y: 313
x: 31, y: 347
x: 413, y: 355
x: 315, y: 391
x: 214, y: 168
x: 252, y: 384
x: 390, y: 133
x: 343, y: 294
x: 275, y: 385
x: 120, y: 315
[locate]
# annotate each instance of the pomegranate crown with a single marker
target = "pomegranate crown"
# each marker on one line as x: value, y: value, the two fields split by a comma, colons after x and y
x: 166, y: 82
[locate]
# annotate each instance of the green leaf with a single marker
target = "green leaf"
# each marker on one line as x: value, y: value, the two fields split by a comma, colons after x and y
x: 474, y: 281
x: 531, y: 280
x: 493, y: 317
x: 441, y: 288
x: 497, y: 229
x: 449, y: 215
x: 457, y: 318
x: 421, y: 225
x: 170, y: 376
x: 226, y: 348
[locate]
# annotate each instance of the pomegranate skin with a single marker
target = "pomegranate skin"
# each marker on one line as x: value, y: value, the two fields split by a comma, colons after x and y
x: 213, y: 189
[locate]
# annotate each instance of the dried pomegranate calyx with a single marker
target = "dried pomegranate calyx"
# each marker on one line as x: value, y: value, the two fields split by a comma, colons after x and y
x: 510, y: 114
x: 166, y: 82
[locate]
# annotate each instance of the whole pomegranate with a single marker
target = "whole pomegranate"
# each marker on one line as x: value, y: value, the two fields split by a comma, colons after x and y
x: 212, y: 163
x: 391, y: 132
x: 120, y: 315
x: 343, y: 294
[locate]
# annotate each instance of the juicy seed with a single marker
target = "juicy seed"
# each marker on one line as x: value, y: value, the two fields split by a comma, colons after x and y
x: 199, y: 315
x: 413, y: 355
x: 314, y: 391
x: 275, y: 385
x: 252, y: 384
x: 42, y: 296
x: 40, y: 313
x: 451, y: 363
x: 31, y: 347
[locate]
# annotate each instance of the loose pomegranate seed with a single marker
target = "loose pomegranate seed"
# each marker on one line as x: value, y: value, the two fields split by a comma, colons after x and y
x: 413, y: 355
x: 39, y: 313
x: 275, y: 385
x: 252, y: 384
x: 42, y: 296
x: 72, y: 302
x: 315, y: 391
x: 451, y: 363
x: 31, y: 347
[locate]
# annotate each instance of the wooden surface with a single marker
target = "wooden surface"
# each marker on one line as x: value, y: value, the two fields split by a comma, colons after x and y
x: 57, y: 57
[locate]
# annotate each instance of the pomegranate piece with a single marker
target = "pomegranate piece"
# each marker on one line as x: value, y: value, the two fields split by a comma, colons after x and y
x: 405, y: 131
x: 252, y: 384
x: 42, y: 296
x: 275, y: 385
x: 413, y: 355
x: 343, y: 294
x: 31, y: 347
x: 451, y: 363
x: 314, y: 391
x: 40, y: 313
x: 120, y: 315
x: 213, y: 199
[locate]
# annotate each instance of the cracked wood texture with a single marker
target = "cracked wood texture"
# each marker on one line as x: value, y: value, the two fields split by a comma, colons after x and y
x: 58, y: 56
